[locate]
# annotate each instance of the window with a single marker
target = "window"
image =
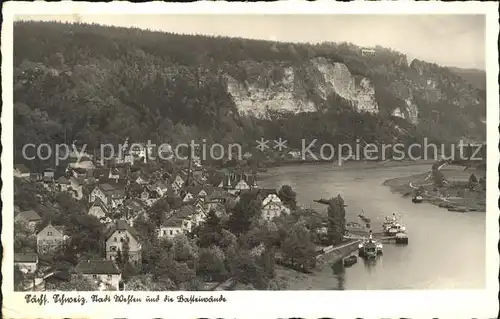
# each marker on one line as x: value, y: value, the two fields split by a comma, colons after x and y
x: 115, y: 239
x: 171, y: 233
x: 164, y: 233
x: 94, y: 276
x: 112, y: 248
x: 109, y: 277
x: 49, y: 233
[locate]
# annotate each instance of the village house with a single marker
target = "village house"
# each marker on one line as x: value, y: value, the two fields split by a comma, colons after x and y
x: 189, y: 217
x: 133, y: 209
x: 84, y: 163
x: 149, y: 197
x: 114, y: 173
x: 110, y: 196
x: 247, y: 155
x: 51, y: 239
x: 141, y: 179
x: 170, y: 228
x: 26, y: 262
x: 79, y: 172
x: 100, y: 272
x: 29, y: 217
x: 122, y: 236
x: 21, y: 171
x: 98, y: 209
x: 296, y: 155
x: 48, y: 175
x: 177, y: 182
x: 272, y: 207
x: 63, y: 184
x: 186, y: 196
x: 160, y: 188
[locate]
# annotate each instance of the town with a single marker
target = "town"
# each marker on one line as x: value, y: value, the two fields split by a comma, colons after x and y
x: 139, y: 224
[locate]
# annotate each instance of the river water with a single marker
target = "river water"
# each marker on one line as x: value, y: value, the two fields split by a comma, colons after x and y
x: 446, y: 250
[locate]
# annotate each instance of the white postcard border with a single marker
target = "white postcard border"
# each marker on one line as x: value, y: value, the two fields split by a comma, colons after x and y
x: 266, y: 304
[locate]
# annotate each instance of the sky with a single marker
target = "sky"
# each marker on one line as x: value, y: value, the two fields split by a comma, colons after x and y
x: 448, y: 40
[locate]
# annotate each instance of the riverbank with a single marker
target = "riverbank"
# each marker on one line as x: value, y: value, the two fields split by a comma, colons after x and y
x: 448, y: 197
x: 289, y: 279
x: 365, y: 164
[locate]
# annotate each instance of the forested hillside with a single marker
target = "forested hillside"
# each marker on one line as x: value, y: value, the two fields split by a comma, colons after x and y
x: 100, y: 84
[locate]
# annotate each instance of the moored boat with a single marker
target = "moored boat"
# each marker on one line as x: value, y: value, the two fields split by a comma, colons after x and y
x: 349, y: 261
x: 369, y: 248
x: 417, y: 199
x: 402, y: 238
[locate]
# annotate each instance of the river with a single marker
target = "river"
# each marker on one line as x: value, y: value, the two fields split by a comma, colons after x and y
x: 446, y: 250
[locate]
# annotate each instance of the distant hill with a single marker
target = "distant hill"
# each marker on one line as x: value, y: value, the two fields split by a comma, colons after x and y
x: 475, y: 77
x: 99, y: 84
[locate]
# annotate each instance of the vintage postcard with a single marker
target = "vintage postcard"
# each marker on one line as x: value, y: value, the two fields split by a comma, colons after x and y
x: 250, y: 160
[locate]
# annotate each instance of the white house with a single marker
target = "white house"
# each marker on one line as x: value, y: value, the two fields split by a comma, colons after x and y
x: 27, y: 262
x: 273, y: 207
x: 120, y: 234
x: 187, y: 197
x: 100, y: 271
x: 161, y: 188
x: 108, y: 194
x: 51, y: 238
x: 170, y: 228
x: 98, y: 209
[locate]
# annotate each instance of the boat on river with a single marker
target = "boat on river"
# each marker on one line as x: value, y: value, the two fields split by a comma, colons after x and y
x: 370, y: 248
x: 349, y: 261
x: 392, y: 226
x: 417, y: 199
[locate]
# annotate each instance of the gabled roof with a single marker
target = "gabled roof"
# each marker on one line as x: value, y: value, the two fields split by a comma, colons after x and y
x: 30, y: 215
x: 63, y: 180
x: 264, y: 192
x: 99, y: 203
x: 194, y: 190
x: 172, y: 222
x: 91, y: 267
x: 25, y: 258
x: 121, y: 225
x: 133, y: 205
x: 59, y: 228
x: 78, y: 170
x: 21, y: 168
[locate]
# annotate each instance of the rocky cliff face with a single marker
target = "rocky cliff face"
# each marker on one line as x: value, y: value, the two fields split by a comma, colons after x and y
x: 409, y: 89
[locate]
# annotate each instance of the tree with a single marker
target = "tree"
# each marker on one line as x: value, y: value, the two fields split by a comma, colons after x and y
x: 243, y: 213
x: 244, y: 268
x: 18, y: 279
x: 298, y: 247
x: 336, y: 220
x: 210, y: 232
x: 288, y: 196
x: 473, y: 182
x: 148, y: 283
x: 24, y: 239
x: 211, y: 264
x: 76, y: 283
x: 159, y: 211
x: 438, y: 178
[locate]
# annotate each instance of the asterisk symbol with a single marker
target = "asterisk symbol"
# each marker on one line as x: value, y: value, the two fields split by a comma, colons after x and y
x: 280, y: 144
x: 262, y: 144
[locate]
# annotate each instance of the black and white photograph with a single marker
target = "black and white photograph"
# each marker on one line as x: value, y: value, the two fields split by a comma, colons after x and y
x: 227, y: 152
